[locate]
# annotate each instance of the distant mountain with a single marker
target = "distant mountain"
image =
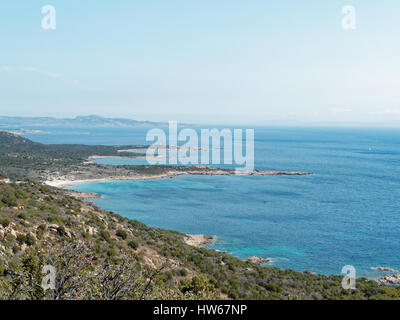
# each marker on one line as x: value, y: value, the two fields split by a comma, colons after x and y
x: 81, y: 121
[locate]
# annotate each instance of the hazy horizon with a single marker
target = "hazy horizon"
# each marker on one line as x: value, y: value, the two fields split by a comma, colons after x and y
x: 388, y: 124
x: 230, y: 62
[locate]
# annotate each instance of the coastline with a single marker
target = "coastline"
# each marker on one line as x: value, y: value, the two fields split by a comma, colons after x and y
x: 195, y: 240
x: 201, y: 240
x: 62, y: 182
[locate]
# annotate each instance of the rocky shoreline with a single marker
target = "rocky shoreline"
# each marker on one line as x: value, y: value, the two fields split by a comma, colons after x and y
x: 258, y: 260
x: 384, y: 269
x: 199, y: 240
x: 392, y: 279
x: 83, y: 195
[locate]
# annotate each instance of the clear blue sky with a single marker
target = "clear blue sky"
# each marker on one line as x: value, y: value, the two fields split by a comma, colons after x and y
x: 208, y: 61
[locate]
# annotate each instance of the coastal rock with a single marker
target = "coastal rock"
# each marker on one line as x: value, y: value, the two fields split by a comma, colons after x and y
x: 384, y: 269
x: 199, y: 240
x: 390, y: 279
x: 258, y: 260
x: 83, y: 195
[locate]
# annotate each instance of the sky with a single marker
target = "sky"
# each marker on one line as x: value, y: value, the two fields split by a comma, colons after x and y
x: 211, y: 61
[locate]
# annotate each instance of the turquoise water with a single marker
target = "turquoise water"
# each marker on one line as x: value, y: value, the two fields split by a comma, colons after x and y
x: 347, y: 212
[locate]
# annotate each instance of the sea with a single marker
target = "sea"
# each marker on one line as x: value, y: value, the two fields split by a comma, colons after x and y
x: 346, y: 213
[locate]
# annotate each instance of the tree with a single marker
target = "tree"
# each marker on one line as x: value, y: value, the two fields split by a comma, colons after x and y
x: 124, y: 281
x: 24, y: 279
x: 72, y: 262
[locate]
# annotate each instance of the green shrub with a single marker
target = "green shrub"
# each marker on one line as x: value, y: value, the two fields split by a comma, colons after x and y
x: 122, y: 234
x: 15, y: 248
x: 133, y: 244
x: 30, y: 239
x: 105, y: 235
x: 21, y: 238
x: 42, y: 227
x: 22, y: 215
x: 4, y: 221
x: 198, y: 284
x: 111, y: 252
x: 182, y: 272
x: 41, y: 230
x: 9, y: 200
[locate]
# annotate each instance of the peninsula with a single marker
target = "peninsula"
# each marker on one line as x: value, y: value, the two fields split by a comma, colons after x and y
x: 61, y: 165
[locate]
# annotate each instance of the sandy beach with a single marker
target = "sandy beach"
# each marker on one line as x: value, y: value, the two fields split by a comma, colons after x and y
x: 62, y: 183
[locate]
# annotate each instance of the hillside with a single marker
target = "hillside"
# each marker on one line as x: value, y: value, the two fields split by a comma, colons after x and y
x: 96, y: 251
x: 22, y: 158
x: 13, y: 144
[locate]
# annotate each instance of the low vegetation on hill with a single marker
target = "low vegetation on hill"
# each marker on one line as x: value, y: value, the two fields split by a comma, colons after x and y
x: 21, y: 158
x: 101, y: 255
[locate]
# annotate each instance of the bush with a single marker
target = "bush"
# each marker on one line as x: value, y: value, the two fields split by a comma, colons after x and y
x: 10, y: 200
x: 21, y: 238
x: 111, y: 252
x: 4, y: 221
x: 133, y: 244
x: 15, y: 248
x: 122, y: 234
x: 40, y: 231
x: 183, y: 272
x: 105, y: 235
x: 22, y: 215
x: 28, y: 239
x: 198, y: 284
x: 42, y: 227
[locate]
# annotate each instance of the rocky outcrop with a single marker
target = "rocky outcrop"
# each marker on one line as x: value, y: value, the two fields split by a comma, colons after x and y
x: 390, y: 279
x: 258, y: 260
x: 199, y: 240
x: 384, y: 269
x: 83, y: 195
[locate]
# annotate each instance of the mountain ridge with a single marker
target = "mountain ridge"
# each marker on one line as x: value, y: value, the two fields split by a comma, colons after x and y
x: 78, y: 121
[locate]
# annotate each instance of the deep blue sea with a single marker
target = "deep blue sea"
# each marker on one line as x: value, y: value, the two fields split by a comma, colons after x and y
x: 346, y: 213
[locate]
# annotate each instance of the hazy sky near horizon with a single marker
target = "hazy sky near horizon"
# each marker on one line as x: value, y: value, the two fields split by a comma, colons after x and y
x: 209, y: 61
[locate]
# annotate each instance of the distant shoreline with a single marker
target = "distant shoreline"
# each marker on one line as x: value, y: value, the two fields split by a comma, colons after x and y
x: 63, y: 182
